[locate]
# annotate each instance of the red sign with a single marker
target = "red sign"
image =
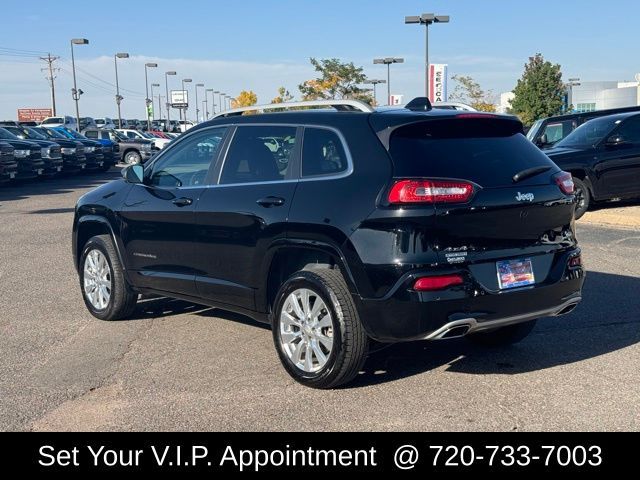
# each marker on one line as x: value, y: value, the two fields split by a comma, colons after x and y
x: 33, y: 114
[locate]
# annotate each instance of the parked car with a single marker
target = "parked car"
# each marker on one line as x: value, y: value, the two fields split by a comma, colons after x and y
x: 87, y: 122
x: 463, y: 107
x: 27, y: 154
x: 456, y: 226
x: 110, y: 146
x: 93, y: 150
x: 28, y: 124
x: 603, y: 155
x: 159, y: 143
x: 131, y: 150
x: 8, y: 163
x: 50, y: 151
x: 73, y: 155
x: 105, y: 123
x: 548, y: 131
x: 66, y: 121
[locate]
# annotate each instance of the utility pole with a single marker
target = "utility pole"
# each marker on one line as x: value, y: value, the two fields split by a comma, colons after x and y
x: 51, y: 78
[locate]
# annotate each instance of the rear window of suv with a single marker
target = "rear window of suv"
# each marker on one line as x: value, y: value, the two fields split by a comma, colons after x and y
x: 485, y: 151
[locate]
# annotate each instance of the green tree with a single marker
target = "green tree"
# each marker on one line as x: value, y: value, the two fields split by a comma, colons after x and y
x: 337, y: 80
x: 469, y: 91
x: 283, y: 96
x: 540, y: 92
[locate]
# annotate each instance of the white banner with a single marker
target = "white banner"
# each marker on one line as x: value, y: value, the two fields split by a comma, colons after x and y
x: 438, y: 82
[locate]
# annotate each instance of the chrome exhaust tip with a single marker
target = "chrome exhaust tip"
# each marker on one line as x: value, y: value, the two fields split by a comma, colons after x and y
x: 455, y: 332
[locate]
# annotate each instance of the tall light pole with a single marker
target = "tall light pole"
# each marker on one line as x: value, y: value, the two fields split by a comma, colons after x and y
x: 220, y: 104
x: 197, y: 105
x: 160, y: 97
x: 228, y: 104
x: 206, y: 97
x: 146, y: 86
x: 388, y: 61
x: 573, y: 82
x: 152, y: 97
x: 119, y: 98
x: 426, y: 19
x: 213, y: 101
x: 186, y: 108
x: 166, y: 86
x: 375, y: 84
x: 75, y: 93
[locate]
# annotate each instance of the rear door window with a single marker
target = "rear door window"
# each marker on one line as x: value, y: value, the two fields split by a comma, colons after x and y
x: 556, y: 131
x: 259, y: 154
x: 91, y: 134
x: 487, y: 152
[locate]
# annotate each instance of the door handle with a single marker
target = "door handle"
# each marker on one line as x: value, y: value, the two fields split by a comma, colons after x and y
x: 182, y: 202
x: 269, y: 202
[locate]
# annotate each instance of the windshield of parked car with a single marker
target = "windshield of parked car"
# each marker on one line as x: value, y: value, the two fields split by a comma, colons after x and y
x: 50, y: 133
x: 33, y: 133
x: 74, y: 134
x: 590, y: 133
x: 7, y: 135
x: 118, y: 135
x: 17, y: 131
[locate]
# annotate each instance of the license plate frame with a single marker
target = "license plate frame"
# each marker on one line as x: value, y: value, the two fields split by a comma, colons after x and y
x: 515, y: 273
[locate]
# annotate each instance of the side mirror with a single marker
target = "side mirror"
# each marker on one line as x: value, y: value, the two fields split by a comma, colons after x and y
x: 133, y: 173
x: 615, y: 140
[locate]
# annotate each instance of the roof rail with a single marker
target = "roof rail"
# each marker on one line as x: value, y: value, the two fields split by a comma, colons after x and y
x: 340, y: 105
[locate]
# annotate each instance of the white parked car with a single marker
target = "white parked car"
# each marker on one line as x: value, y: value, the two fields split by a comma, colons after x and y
x: 453, y: 106
x: 66, y: 121
x: 183, y: 125
x: 158, y: 142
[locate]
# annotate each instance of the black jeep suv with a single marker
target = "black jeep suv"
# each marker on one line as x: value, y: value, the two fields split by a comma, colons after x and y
x: 603, y: 155
x: 341, y: 227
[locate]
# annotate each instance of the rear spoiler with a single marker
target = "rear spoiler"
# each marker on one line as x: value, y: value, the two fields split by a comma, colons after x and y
x: 419, y: 104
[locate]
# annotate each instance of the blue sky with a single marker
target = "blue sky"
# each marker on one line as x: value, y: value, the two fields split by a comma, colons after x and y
x: 261, y: 44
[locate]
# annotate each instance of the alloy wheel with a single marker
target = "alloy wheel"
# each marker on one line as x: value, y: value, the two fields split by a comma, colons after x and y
x: 97, y: 279
x: 306, y: 330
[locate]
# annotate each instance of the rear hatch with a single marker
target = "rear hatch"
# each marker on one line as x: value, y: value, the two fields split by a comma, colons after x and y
x: 496, y: 196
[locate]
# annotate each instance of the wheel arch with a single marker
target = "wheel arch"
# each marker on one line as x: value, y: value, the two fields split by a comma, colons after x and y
x: 285, y: 258
x: 89, y: 226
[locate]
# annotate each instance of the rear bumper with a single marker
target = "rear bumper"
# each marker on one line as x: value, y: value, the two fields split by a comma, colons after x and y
x: 405, y: 314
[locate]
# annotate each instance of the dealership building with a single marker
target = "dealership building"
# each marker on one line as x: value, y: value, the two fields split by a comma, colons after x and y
x: 590, y: 96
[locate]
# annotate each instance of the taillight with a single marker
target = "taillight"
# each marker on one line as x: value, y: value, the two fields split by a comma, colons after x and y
x: 575, y: 261
x: 430, y: 284
x: 565, y: 182
x: 430, y: 191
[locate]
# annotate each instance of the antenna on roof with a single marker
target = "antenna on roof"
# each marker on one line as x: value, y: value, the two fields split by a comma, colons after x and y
x: 419, y: 104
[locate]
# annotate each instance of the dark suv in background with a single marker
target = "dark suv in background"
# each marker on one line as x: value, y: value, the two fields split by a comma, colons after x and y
x: 8, y: 164
x: 73, y: 156
x: 603, y: 155
x: 28, y: 155
x: 341, y: 227
x: 50, y: 151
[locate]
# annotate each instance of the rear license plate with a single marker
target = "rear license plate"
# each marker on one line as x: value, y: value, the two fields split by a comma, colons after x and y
x: 515, y: 273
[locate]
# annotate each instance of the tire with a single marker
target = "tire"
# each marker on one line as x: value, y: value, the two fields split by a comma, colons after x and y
x: 121, y: 299
x: 583, y: 197
x: 132, y: 157
x: 503, y: 336
x: 349, y: 341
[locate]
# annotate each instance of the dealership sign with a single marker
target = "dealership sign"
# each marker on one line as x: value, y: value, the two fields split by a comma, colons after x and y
x: 179, y: 99
x: 438, y: 82
x: 33, y: 114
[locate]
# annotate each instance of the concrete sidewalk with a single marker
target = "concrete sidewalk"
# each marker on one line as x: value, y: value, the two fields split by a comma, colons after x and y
x: 626, y: 215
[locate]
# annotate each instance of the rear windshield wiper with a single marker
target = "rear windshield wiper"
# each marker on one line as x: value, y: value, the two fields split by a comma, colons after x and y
x: 529, y: 172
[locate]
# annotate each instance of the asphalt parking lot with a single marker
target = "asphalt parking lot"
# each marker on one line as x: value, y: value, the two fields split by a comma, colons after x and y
x: 179, y: 366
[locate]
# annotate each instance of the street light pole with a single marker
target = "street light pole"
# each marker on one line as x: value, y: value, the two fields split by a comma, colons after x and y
x: 186, y: 107
x: 213, y: 101
x: 75, y: 93
x: 152, y: 97
x: 206, y: 96
x: 375, y: 83
x: 426, y: 19
x: 197, y: 105
x: 146, y: 85
x: 166, y: 86
x: 118, y: 97
x: 388, y: 61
